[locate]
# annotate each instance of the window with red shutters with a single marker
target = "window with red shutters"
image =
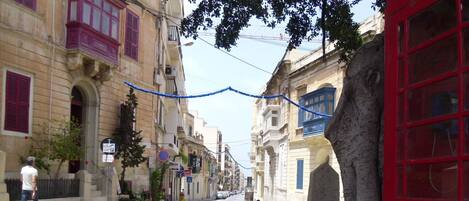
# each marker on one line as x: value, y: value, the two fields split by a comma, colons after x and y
x: 131, y: 35
x: 17, y: 102
x: 28, y: 3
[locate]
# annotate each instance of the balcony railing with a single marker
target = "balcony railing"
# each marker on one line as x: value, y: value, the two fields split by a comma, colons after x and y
x: 173, y: 33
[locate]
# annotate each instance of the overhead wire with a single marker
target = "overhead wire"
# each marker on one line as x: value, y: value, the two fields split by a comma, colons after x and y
x: 237, y: 58
x: 227, y: 53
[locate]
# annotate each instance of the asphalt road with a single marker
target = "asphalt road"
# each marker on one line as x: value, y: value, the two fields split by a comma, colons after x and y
x: 238, y: 197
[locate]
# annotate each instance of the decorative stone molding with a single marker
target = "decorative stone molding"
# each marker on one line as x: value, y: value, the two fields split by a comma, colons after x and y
x: 3, y: 189
x: 97, y: 69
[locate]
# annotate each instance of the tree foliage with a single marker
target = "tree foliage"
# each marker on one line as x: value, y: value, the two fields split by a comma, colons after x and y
x: 130, y: 151
x: 63, y: 145
x: 306, y: 19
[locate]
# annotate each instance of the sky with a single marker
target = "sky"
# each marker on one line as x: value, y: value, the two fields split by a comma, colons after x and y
x: 208, y: 69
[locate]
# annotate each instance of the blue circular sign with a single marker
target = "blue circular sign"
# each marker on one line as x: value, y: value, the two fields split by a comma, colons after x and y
x: 163, y: 155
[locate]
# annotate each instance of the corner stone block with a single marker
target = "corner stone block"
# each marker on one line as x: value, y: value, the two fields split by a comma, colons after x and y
x: 3, y: 188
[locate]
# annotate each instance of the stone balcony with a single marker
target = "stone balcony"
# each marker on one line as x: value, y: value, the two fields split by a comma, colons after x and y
x: 271, y: 139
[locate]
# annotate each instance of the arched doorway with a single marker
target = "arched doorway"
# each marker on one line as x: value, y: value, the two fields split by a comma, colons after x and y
x: 84, y: 109
x: 76, y: 115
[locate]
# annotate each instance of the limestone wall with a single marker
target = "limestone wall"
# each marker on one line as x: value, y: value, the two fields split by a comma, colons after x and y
x: 33, y: 42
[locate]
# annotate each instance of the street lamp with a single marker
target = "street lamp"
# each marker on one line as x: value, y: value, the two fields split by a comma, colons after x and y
x: 188, y: 44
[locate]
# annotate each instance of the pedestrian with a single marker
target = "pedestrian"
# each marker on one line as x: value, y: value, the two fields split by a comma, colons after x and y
x: 29, y: 179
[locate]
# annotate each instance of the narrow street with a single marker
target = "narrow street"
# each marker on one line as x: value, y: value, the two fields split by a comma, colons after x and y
x: 237, y: 197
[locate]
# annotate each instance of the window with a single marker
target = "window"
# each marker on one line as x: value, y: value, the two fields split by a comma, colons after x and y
x: 190, y: 130
x: 28, y: 3
x: 160, y: 113
x: 131, y: 35
x: 274, y: 121
x: 300, y: 92
x: 299, y: 174
x: 17, y: 103
x: 197, y: 187
x: 101, y: 15
x: 321, y: 100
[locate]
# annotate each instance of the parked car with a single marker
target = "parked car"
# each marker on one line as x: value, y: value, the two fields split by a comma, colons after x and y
x: 222, y: 194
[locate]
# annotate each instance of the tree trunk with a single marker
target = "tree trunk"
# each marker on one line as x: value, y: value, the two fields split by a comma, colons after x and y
x: 355, y: 130
x: 122, y: 181
x: 59, y: 167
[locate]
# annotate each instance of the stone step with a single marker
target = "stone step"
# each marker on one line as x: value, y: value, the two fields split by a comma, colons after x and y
x: 96, y: 193
x: 101, y: 198
x: 94, y: 187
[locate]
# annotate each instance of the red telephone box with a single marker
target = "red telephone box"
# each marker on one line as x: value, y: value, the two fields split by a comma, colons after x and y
x: 426, y: 154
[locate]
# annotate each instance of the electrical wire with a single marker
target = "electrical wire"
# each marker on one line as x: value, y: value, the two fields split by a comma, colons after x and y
x: 237, y: 58
x: 227, y: 53
x: 430, y: 169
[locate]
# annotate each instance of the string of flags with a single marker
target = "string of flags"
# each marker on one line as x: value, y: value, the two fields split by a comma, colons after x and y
x: 138, y: 88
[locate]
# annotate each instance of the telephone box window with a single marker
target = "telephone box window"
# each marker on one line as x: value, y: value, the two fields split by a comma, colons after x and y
x: 434, y: 60
x: 432, y: 181
x: 401, y: 73
x: 465, y: 10
x: 466, y: 91
x: 421, y: 100
x: 434, y: 140
x: 432, y: 22
x: 466, y: 138
x: 466, y: 180
x: 466, y: 46
x: 426, y: 145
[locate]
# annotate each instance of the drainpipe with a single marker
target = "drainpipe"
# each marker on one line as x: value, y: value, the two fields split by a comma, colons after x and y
x: 51, y: 66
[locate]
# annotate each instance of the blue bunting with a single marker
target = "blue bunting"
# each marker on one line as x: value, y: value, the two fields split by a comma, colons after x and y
x: 221, y: 91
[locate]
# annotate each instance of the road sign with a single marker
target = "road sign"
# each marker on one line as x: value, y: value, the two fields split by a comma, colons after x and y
x: 188, y: 173
x: 108, y: 158
x: 189, y: 179
x: 108, y: 146
x: 163, y: 155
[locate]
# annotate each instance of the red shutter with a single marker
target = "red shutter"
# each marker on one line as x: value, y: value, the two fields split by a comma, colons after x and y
x: 11, y: 94
x: 28, y: 3
x: 23, y: 104
x: 17, y: 102
x: 131, y: 35
x: 135, y: 39
x: 128, y: 32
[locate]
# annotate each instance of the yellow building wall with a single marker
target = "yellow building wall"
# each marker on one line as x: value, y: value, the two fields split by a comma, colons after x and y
x: 306, y: 147
x: 25, y: 46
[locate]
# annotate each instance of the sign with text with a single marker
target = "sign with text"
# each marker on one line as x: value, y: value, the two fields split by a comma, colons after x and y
x: 189, y: 179
x: 108, y: 158
x: 108, y: 146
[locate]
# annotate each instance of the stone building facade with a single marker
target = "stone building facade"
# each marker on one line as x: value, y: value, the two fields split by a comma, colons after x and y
x: 64, y: 59
x: 287, y: 143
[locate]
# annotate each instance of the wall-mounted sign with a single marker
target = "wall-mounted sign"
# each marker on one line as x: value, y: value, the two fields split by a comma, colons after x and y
x: 108, y: 146
x: 163, y: 155
x: 189, y: 179
x: 188, y: 172
x: 108, y: 158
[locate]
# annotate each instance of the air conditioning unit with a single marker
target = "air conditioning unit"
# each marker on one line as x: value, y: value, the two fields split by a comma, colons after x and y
x: 170, y: 72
